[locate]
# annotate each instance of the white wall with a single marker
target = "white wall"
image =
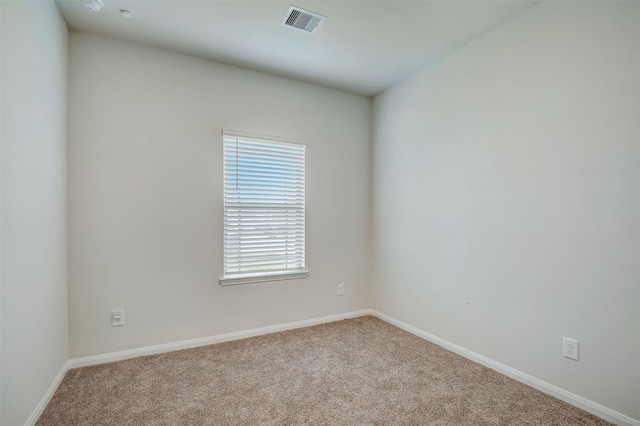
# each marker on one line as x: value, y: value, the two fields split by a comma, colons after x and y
x: 34, y: 252
x: 145, y: 195
x: 506, y: 201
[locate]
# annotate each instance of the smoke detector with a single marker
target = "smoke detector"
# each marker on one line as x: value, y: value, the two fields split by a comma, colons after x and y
x: 93, y: 5
x: 302, y: 19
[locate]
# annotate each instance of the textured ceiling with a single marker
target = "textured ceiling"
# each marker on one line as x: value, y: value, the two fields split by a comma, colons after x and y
x: 363, y: 47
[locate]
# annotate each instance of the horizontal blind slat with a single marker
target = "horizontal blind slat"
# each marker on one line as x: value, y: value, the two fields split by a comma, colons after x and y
x: 259, y: 257
x: 233, y: 144
x: 267, y: 164
x: 265, y: 265
x: 265, y: 205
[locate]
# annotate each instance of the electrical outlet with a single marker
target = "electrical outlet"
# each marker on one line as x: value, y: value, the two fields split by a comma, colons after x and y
x: 570, y: 348
x: 340, y: 289
x: 117, y: 317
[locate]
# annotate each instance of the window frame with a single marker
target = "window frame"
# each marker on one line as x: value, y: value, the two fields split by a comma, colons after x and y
x: 261, y: 276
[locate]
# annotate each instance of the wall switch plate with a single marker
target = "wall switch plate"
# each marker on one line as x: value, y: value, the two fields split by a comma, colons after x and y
x: 340, y: 289
x: 570, y: 348
x: 117, y: 317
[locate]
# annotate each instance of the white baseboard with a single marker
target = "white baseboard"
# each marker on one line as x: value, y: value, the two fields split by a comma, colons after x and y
x: 152, y: 350
x: 571, y: 398
x: 168, y: 347
x: 33, y: 418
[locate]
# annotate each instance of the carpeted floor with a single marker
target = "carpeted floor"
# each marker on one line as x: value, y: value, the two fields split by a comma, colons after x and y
x: 360, y: 371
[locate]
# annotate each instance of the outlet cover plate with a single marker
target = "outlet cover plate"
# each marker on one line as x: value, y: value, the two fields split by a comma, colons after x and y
x: 570, y: 348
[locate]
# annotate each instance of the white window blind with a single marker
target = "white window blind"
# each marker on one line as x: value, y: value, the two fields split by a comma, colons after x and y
x: 264, y: 200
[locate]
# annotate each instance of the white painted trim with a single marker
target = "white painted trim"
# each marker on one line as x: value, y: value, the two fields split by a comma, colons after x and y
x: 261, y: 278
x: 33, y: 418
x: 260, y: 137
x: 571, y: 398
x: 151, y: 350
x: 204, y: 341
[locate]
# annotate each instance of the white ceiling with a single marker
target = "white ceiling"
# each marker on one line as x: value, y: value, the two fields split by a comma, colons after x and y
x: 363, y: 46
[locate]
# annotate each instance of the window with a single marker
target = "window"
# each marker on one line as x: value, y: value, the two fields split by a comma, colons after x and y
x: 264, y: 197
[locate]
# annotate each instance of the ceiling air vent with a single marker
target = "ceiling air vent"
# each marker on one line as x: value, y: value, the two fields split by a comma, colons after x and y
x: 302, y: 19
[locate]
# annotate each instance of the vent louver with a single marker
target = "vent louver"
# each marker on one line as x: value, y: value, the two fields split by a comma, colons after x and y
x: 302, y: 19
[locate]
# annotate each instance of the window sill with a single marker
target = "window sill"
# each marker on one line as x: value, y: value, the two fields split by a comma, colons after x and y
x: 260, y: 278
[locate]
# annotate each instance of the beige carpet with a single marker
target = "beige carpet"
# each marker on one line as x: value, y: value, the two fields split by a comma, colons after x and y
x: 361, y: 371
